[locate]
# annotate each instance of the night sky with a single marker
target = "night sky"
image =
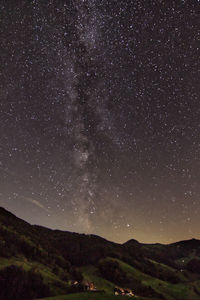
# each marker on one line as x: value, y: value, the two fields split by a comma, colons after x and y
x: 100, y: 116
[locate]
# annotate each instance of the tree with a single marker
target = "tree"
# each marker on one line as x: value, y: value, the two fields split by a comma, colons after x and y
x: 17, y: 284
x: 194, y: 265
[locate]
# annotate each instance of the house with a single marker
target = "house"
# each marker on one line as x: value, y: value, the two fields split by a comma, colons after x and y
x: 128, y: 292
x: 89, y: 286
x: 118, y: 291
x: 123, y: 292
x: 74, y: 283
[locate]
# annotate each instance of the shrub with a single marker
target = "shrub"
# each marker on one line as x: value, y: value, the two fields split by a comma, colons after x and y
x: 111, y: 271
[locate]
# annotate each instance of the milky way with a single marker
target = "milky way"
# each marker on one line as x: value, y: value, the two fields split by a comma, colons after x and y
x: 99, y: 104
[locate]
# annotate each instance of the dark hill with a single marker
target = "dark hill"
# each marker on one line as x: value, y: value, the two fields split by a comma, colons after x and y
x: 170, y: 254
x: 78, y: 249
x: 81, y: 249
x: 69, y: 255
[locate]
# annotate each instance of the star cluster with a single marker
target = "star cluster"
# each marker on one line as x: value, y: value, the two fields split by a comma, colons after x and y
x: 99, y: 116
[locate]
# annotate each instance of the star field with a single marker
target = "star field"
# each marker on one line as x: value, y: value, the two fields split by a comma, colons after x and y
x: 100, y: 116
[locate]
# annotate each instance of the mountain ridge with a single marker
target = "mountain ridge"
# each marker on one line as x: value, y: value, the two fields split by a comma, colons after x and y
x: 10, y: 214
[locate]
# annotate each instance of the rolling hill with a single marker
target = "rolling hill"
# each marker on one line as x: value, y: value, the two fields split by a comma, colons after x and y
x: 36, y: 262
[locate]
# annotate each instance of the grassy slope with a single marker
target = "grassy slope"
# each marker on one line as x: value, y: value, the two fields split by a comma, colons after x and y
x: 90, y: 273
x: 170, y: 291
x: 164, y: 267
x: 181, y: 291
x: 49, y: 277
